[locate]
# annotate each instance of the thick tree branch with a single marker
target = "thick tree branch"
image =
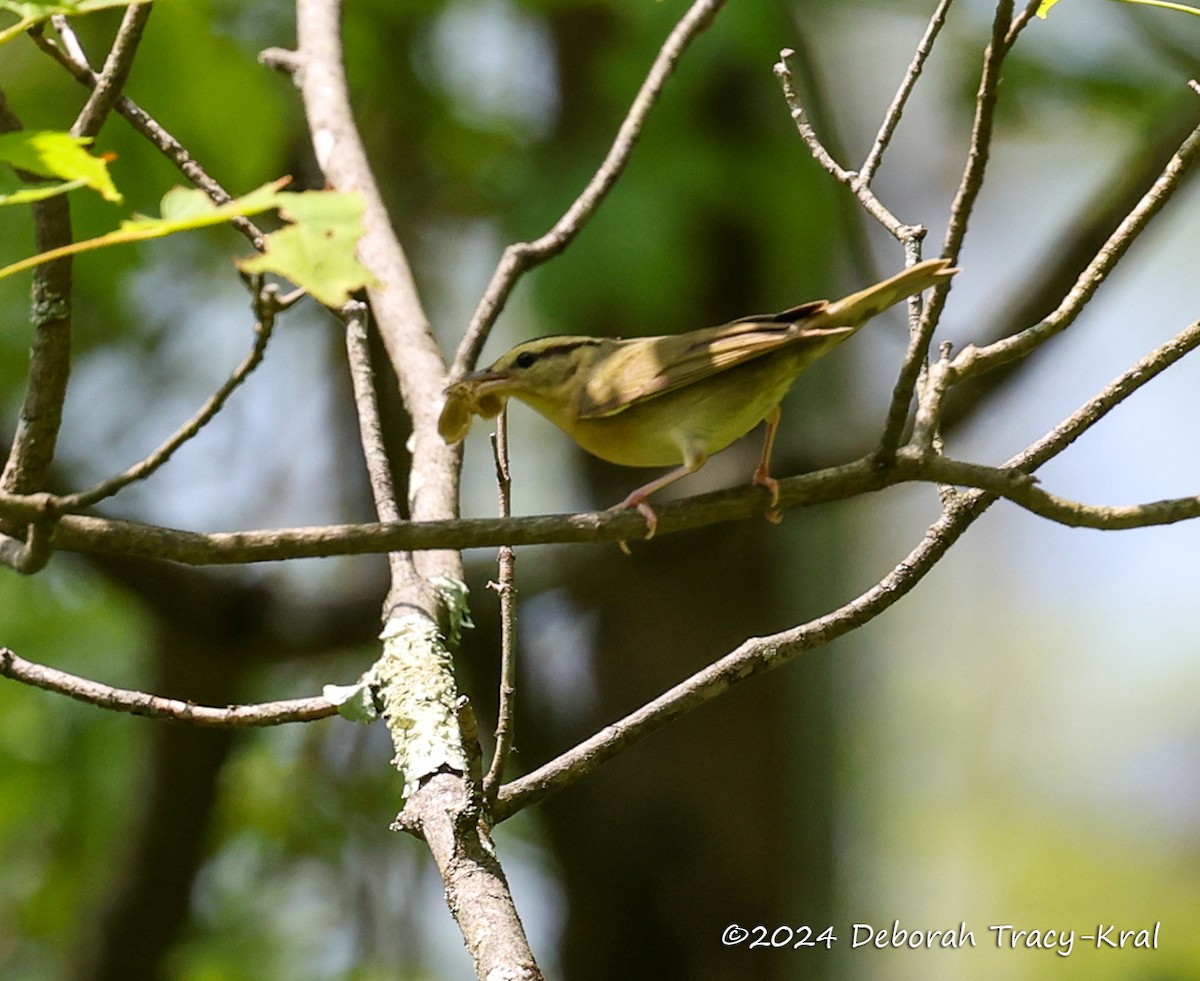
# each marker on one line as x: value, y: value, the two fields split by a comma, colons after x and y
x: 432, y: 727
x: 395, y: 304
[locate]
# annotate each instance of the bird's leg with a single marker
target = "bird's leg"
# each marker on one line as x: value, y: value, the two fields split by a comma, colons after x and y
x: 762, y: 475
x: 638, y: 498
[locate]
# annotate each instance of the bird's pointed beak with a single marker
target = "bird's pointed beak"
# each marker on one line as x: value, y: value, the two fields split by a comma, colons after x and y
x: 485, y: 380
x: 478, y: 393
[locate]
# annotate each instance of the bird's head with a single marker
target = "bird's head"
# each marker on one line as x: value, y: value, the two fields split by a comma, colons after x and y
x: 546, y: 373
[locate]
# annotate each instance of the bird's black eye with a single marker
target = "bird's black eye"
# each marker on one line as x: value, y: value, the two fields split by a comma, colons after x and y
x: 526, y: 359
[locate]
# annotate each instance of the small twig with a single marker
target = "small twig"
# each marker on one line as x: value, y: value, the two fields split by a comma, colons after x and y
x: 1019, y: 22
x: 70, y: 39
x: 891, y: 119
x: 112, y: 77
x: 523, y: 256
x: 362, y: 379
x: 935, y: 382
x: 506, y: 587
x: 142, y: 703
x: 852, y: 180
x: 266, y: 309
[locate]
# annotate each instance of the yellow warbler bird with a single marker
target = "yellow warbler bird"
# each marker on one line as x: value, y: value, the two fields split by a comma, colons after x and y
x: 674, y: 400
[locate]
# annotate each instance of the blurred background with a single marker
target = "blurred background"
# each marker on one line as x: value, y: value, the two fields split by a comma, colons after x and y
x: 1014, y: 743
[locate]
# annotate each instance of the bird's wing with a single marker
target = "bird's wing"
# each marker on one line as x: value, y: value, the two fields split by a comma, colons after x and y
x: 644, y: 368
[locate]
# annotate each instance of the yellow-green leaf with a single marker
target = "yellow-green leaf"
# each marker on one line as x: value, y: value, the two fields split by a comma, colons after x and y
x: 1183, y: 8
x: 32, y: 13
x: 52, y: 154
x: 317, y: 250
x: 187, y: 212
x: 1166, y: 5
x: 14, y: 192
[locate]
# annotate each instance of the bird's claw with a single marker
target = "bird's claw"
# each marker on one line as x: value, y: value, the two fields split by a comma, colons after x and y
x: 764, y: 479
x: 646, y: 512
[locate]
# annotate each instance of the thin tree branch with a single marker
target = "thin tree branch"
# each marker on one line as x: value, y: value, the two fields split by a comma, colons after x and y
x: 507, y: 588
x: 379, y: 468
x: 1112, y: 395
x: 1051, y: 276
x: 14, y: 552
x: 866, y: 173
x: 74, y: 532
x: 751, y: 658
x: 266, y: 309
x: 141, y: 703
x: 520, y: 257
x: 1005, y: 30
x: 89, y: 534
x: 899, y: 230
x: 117, y: 66
x: 973, y: 360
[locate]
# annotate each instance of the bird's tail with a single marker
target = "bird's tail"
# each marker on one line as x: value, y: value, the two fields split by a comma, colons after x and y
x: 858, y: 308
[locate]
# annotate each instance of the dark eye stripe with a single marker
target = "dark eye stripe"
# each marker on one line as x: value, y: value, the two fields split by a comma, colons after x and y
x: 527, y: 359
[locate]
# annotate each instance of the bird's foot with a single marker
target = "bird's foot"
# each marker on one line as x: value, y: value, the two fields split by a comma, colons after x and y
x: 764, y: 479
x: 635, y: 500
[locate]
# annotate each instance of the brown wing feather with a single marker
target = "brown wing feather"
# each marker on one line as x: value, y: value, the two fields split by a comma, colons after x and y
x: 648, y: 367
x: 645, y: 368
